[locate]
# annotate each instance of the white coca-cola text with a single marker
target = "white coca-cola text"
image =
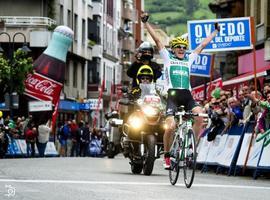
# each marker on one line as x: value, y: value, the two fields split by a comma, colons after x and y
x: 44, y: 86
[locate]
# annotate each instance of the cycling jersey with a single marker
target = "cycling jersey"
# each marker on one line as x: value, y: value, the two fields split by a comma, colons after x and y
x: 177, y: 72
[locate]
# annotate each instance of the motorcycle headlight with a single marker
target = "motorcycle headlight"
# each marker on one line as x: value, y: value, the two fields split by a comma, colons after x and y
x: 150, y: 111
x: 135, y: 122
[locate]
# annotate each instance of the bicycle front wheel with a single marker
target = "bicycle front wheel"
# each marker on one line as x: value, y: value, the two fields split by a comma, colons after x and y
x: 189, y: 150
x: 175, y: 160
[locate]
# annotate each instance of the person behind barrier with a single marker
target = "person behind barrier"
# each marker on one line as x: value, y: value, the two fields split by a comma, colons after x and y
x: 263, y: 122
x: 234, y: 115
x: 144, y: 56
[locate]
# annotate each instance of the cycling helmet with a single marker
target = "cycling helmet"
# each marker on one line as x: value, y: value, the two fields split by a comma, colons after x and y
x: 177, y: 41
x: 147, y: 51
x: 145, y: 70
x: 1, y: 114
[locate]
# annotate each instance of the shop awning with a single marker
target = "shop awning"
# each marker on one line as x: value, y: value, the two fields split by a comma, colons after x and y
x: 246, y: 77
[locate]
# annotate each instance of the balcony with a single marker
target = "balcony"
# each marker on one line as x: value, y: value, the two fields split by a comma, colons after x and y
x: 97, y: 8
x: 97, y: 51
x: 129, y: 44
x: 24, y: 21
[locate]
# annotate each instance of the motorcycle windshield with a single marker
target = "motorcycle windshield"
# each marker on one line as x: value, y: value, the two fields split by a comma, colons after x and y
x: 147, y: 89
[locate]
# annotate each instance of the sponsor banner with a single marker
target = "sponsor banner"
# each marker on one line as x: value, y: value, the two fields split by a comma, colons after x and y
x: 232, y: 141
x: 35, y: 106
x: 94, y: 104
x: 202, y: 65
x: 198, y: 92
x: 235, y: 34
x: 226, y: 157
x: 265, y: 159
x: 254, y: 153
x: 42, y: 88
x: 216, y: 148
x: 50, y: 149
x: 203, y: 149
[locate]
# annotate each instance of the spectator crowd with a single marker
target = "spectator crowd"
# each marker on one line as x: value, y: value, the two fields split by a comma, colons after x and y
x: 227, y: 108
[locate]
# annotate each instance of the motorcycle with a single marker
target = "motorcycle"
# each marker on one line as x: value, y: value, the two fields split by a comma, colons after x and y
x: 142, y: 140
x: 113, y: 133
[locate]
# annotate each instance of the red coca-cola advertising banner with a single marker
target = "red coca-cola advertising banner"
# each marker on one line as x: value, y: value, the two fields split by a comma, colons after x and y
x: 198, y: 92
x: 43, y: 88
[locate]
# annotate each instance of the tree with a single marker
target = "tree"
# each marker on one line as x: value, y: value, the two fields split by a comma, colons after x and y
x: 13, y: 73
x: 191, y: 6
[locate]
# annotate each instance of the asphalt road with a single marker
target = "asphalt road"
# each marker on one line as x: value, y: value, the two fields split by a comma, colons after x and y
x: 111, y: 179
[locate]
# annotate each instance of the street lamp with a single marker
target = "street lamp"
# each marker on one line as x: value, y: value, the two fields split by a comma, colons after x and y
x: 24, y: 48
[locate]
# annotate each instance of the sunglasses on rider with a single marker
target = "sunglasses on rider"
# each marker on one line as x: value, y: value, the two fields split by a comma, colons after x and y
x: 145, y: 78
x: 180, y: 46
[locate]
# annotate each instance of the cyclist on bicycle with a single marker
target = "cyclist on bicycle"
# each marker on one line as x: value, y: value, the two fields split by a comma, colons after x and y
x: 177, y: 74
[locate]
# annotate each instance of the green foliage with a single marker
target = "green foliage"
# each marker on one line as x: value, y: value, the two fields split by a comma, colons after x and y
x: 173, y: 15
x: 13, y: 73
x: 91, y: 43
x: 51, y: 9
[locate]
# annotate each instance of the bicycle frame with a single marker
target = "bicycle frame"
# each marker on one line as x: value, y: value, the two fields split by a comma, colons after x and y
x: 182, y: 125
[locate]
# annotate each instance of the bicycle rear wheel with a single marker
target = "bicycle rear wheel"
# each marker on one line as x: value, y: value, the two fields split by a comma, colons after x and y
x: 175, y: 160
x: 189, y: 150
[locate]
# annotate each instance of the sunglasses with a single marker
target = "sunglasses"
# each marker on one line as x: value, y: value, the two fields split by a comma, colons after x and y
x: 145, y: 78
x: 181, y: 46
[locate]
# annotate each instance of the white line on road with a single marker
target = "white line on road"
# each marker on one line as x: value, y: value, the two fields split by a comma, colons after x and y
x: 130, y: 183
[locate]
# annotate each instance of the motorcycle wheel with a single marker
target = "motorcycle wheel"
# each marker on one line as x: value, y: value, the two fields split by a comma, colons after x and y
x: 111, y: 150
x: 149, y: 157
x: 136, y: 168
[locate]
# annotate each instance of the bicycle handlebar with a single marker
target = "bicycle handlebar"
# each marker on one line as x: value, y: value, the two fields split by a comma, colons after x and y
x: 191, y: 114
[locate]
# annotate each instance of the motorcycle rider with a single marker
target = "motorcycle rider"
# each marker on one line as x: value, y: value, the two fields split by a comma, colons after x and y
x: 144, y: 75
x: 178, y: 83
x: 144, y: 56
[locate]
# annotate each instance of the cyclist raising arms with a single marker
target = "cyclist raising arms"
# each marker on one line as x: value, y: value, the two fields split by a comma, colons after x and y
x: 177, y: 74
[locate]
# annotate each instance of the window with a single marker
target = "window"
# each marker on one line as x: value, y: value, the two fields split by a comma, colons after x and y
x: 93, y: 71
x: 82, y: 76
x: 258, y: 12
x: 75, y: 68
x: 69, y: 22
x: 67, y: 73
x: 76, y: 27
x: 61, y: 14
x: 83, y: 31
x: 94, y: 29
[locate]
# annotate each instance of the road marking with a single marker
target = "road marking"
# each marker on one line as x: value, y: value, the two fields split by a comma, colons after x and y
x: 130, y: 183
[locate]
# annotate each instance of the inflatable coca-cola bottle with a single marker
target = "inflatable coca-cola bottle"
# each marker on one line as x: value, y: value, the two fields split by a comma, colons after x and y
x: 46, y: 82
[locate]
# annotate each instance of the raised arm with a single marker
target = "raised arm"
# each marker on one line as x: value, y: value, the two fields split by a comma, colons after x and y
x: 144, y: 18
x: 205, y: 42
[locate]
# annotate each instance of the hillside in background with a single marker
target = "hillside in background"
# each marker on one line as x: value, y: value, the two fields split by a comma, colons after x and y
x: 172, y: 15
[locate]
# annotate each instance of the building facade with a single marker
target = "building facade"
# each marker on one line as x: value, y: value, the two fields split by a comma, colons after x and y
x: 240, y: 63
x: 36, y: 20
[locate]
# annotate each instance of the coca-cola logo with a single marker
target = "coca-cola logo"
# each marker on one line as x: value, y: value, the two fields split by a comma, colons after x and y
x: 44, y: 86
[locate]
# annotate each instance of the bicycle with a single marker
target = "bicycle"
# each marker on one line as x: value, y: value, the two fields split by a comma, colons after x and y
x: 183, y: 148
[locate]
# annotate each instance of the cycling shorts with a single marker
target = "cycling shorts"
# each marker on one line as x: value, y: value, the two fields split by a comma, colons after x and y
x: 177, y: 98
